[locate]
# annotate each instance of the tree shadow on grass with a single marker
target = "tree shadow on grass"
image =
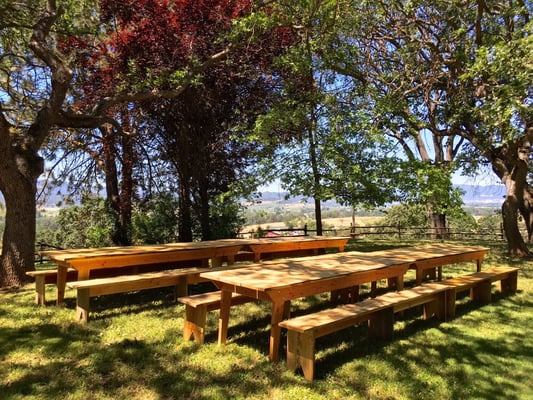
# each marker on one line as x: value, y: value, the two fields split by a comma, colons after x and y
x: 73, y: 361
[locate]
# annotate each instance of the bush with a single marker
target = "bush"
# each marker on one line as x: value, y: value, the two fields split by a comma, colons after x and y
x: 406, y: 215
x: 155, y: 221
x: 88, y: 225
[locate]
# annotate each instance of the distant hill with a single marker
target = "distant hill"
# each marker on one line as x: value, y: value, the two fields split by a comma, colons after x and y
x: 473, y: 195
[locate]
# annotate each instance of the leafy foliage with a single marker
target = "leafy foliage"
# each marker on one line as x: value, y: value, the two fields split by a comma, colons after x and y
x: 155, y: 221
x: 407, y: 215
x: 87, y: 225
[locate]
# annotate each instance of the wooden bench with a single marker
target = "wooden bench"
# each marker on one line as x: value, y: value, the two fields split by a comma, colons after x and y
x: 180, y: 278
x: 47, y: 276
x: 438, y: 299
x: 378, y: 311
x: 196, y: 308
x: 480, y: 285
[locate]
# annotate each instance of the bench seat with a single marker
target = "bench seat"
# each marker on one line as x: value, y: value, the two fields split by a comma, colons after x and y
x: 437, y: 298
x: 196, y: 308
x: 180, y: 278
x: 378, y: 311
x: 48, y: 276
x: 480, y: 286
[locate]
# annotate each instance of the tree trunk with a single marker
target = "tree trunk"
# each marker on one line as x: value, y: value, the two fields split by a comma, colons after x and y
x: 510, y: 209
x: 316, y: 178
x: 18, y: 245
x: 526, y: 209
x: 184, y: 212
x: 205, y: 220
x: 18, y: 182
x: 515, y: 241
x: 318, y: 217
x: 126, y: 192
x: 438, y: 225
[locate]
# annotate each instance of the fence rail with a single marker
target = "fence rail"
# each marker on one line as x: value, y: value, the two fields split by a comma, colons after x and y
x: 381, y: 232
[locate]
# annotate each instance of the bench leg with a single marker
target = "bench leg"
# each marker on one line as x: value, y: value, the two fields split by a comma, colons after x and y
x: 181, y: 289
x: 82, y: 305
x: 451, y: 297
x: 419, y: 276
x: 436, y: 307
x: 195, y: 320
x: 381, y: 325
x: 482, y: 292
x: 301, y: 352
x: 510, y: 283
x: 40, y: 290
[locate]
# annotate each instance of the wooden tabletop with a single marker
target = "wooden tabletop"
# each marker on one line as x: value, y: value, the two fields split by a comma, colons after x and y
x: 272, y: 275
x: 69, y: 254
x: 423, y: 252
x: 283, y: 243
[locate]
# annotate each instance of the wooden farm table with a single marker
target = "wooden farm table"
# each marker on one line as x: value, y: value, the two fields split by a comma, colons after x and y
x: 286, y: 245
x: 431, y: 256
x: 87, y: 260
x: 285, y: 280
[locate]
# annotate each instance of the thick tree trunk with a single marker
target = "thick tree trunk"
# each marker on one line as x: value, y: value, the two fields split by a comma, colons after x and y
x: 526, y: 209
x: 18, y: 244
x: 511, y: 165
x: 119, y: 196
x: 510, y: 209
x: 514, y: 238
x: 18, y: 182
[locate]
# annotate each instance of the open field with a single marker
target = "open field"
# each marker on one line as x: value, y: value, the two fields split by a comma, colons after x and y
x: 336, y: 223
x: 133, y: 349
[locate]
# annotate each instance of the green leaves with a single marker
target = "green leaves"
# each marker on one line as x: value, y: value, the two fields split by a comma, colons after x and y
x: 502, y: 74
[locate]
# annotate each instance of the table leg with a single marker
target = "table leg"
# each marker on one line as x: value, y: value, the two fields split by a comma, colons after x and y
x: 223, y: 321
x: 278, y: 310
x: 61, y: 283
x: 83, y: 274
x: 479, y: 261
x: 399, y: 282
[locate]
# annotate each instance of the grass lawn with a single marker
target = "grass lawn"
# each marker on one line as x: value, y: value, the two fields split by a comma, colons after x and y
x: 132, y: 348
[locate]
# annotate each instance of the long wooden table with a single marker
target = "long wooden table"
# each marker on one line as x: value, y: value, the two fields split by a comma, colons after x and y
x: 215, y: 251
x: 285, y: 280
x: 282, y: 281
x: 287, y: 245
x: 87, y: 260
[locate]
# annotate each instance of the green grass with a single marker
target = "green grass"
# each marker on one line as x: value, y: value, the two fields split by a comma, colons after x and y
x: 132, y: 349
